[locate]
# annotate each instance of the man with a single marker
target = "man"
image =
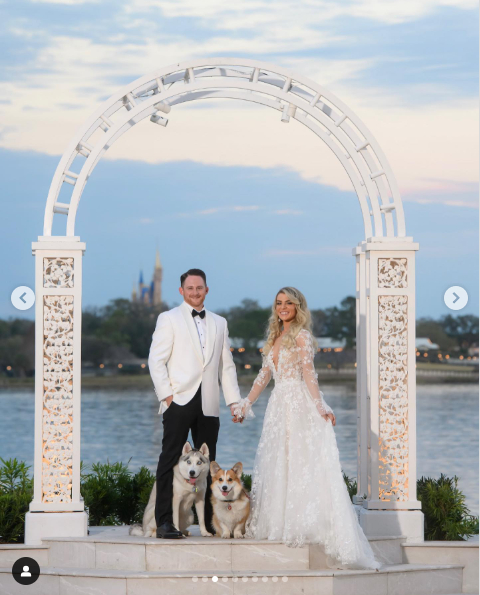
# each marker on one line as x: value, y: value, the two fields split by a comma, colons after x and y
x: 190, y: 351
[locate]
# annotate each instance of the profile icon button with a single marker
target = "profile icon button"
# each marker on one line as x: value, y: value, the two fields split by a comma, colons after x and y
x: 26, y: 571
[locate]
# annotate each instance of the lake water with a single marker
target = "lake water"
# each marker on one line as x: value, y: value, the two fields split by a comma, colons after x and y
x: 121, y: 424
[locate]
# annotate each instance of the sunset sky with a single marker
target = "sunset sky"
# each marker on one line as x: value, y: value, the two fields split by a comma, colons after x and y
x: 226, y: 187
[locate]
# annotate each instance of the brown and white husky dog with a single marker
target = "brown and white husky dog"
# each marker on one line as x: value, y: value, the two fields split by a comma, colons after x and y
x: 189, y: 487
x: 230, y: 502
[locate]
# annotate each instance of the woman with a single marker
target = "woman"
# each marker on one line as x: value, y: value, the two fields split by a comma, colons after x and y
x: 298, y: 492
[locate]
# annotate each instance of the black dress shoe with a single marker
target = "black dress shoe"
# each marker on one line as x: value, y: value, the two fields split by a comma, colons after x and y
x: 167, y: 530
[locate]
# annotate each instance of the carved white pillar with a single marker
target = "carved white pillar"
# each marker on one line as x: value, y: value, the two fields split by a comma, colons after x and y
x: 362, y: 376
x: 57, y: 508
x: 386, y: 388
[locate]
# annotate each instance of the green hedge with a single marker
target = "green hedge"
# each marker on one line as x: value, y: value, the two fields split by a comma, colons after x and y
x: 447, y: 517
x: 113, y: 495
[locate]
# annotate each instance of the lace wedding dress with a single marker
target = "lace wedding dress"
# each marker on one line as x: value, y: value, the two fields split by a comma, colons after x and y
x: 298, y: 492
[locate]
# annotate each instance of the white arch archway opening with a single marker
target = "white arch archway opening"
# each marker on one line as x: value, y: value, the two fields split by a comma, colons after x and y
x: 385, y: 289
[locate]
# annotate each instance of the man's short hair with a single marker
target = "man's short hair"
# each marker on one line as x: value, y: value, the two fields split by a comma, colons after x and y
x: 194, y: 272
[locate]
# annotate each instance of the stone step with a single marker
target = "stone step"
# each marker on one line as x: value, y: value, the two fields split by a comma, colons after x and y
x: 464, y: 553
x: 114, y: 550
x: 10, y: 552
x: 192, y: 553
x: 399, y: 579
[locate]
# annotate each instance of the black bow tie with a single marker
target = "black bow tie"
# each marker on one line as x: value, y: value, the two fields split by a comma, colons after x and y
x: 201, y: 314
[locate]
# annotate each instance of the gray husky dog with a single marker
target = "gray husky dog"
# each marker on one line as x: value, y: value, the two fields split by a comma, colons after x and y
x: 189, y: 487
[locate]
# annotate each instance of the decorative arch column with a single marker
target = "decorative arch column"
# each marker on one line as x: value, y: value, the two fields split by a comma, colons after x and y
x: 385, y: 305
x: 386, y: 389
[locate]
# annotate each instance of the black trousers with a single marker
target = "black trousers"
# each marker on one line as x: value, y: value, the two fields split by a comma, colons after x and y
x: 177, y: 421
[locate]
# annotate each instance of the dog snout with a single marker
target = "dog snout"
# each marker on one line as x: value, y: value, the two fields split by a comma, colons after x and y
x: 192, y: 473
x: 224, y: 488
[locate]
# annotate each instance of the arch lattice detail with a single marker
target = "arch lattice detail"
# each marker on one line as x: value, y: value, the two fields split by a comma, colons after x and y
x: 296, y: 96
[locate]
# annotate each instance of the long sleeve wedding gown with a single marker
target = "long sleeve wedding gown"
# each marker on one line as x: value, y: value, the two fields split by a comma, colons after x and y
x: 298, y: 492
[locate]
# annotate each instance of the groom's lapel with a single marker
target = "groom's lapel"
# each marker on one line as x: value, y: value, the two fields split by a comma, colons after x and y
x: 211, y: 335
x: 192, y: 331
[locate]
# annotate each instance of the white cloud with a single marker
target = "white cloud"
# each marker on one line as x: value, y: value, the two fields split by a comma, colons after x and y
x: 45, y: 102
x: 420, y: 143
x: 262, y: 13
x: 69, y: 2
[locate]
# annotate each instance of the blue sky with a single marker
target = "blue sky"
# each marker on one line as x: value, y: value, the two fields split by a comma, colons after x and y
x: 225, y: 187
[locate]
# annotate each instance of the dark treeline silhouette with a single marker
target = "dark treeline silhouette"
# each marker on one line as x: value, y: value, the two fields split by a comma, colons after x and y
x: 122, y: 331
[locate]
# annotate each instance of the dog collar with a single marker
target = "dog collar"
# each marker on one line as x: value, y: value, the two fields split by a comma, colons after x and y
x: 194, y: 488
x: 229, y: 507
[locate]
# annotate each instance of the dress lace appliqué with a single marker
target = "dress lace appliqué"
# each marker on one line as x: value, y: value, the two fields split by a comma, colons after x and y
x: 298, y: 492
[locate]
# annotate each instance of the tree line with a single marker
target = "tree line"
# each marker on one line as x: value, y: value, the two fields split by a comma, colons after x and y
x: 123, y: 329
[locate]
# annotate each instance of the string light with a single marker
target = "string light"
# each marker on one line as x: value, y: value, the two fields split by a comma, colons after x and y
x: 102, y: 366
x: 120, y: 365
x: 143, y: 365
x: 247, y: 366
x: 9, y: 368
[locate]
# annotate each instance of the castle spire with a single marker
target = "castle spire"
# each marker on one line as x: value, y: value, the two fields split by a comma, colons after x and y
x: 156, y: 288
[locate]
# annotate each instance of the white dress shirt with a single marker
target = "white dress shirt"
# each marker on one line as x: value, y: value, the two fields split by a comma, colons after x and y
x: 201, y: 325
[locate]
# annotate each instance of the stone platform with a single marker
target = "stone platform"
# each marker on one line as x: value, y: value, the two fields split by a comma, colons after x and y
x: 110, y: 562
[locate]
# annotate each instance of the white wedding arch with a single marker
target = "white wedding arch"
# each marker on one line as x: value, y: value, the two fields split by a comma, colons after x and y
x: 385, y: 291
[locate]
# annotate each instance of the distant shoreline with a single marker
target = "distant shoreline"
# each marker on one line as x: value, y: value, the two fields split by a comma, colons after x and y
x: 129, y: 381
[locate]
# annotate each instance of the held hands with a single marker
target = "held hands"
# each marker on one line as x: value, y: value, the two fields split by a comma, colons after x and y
x: 241, y: 410
x: 235, y: 418
x: 168, y: 400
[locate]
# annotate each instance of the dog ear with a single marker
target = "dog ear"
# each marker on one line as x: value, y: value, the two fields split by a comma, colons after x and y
x: 204, y: 450
x: 237, y: 469
x: 214, y: 468
x: 187, y: 447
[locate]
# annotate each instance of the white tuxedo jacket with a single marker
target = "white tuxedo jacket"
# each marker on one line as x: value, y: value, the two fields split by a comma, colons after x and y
x: 177, y: 366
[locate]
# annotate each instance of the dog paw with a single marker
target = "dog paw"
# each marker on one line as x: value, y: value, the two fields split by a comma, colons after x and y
x: 186, y: 533
x: 238, y: 536
x: 206, y: 534
x: 225, y: 535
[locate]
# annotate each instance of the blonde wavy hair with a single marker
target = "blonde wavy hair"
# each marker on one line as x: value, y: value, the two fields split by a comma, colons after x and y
x: 302, y: 320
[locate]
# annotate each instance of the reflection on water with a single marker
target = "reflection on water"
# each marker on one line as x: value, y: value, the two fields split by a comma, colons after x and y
x: 118, y: 425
